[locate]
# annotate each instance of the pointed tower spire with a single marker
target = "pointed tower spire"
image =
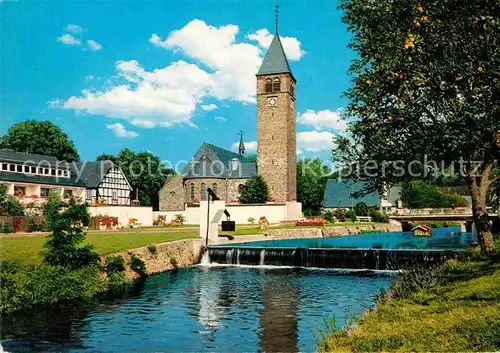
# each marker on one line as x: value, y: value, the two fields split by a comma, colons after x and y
x: 241, y: 148
x: 276, y: 13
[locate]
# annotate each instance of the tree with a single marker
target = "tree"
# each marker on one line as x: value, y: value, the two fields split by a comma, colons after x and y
x: 255, y: 190
x: 419, y: 194
x: 312, y: 175
x: 252, y: 158
x: 63, y: 246
x: 426, y: 87
x: 361, y: 209
x: 144, y: 171
x: 40, y: 137
x: 9, y: 206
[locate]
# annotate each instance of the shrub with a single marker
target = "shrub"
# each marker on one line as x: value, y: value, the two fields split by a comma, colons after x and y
x: 411, y: 281
x: 255, y: 190
x: 115, y: 264
x: 7, y: 227
x: 378, y: 216
x: 152, y: 248
x: 173, y: 262
x: 361, y: 209
x: 137, y: 265
x: 33, y: 227
x: 328, y: 216
x: 179, y: 219
x: 340, y: 215
x: 251, y: 220
x: 351, y: 215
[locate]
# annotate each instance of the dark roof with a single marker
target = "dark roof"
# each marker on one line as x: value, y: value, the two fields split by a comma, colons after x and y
x: 14, y: 156
x: 40, y: 179
x: 208, y: 168
x: 338, y: 195
x: 275, y: 61
x: 91, y: 173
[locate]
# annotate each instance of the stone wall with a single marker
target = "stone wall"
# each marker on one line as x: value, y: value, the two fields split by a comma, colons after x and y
x: 171, y: 195
x: 327, y: 232
x: 232, y: 189
x: 168, y: 256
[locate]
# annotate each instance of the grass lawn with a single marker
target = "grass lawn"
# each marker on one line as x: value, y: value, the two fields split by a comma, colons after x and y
x: 463, y: 315
x: 26, y: 249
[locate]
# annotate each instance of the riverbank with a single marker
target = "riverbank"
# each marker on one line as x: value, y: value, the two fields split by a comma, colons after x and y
x: 453, y: 308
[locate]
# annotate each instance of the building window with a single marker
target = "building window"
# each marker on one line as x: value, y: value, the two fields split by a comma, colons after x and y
x: 33, y: 170
x: 5, y: 166
x: 26, y: 169
x: 115, y: 196
x: 292, y: 89
x: 234, y: 164
x: 19, y: 168
x: 276, y: 85
x: 19, y: 191
x: 214, y: 188
x: 44, y: 192
x: 12, y: 167
x: 53, y: 172
x: 192, y: 192
x: 67, y: 194
x: 269, y: 86
x: 203, y: 191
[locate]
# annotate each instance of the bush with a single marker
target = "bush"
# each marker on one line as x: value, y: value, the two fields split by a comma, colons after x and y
x: 328, y: 216
x: 7, y: 228
x: 351, y: 215
x: 115, y: 264
x: 410, y: 281
x: 340, y: 215
x: 420, y: 194
x: 361, y: 209
x: 173, y: 262
x: 137, y: 265
x: 255, y: 190
x: 251, y: 220
x: 152, y: 248
x: 33, y: 227
x: 379, y: 216
x: 180, y: 219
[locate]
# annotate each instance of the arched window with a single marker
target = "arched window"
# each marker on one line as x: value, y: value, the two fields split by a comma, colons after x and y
x: 276, y: 85
x: 269, y: 85
x: 203, y: 191
x: 192, y: 192
x: 214, y: 188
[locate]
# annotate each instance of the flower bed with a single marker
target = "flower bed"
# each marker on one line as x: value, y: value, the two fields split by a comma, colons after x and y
x: 310, y: 223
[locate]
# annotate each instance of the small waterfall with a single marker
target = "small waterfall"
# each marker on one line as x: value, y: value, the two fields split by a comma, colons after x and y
x: 375, y: 259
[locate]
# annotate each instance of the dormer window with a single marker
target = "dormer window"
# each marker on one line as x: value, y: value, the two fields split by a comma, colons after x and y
x: 234, y: 164
x: 276, y: 85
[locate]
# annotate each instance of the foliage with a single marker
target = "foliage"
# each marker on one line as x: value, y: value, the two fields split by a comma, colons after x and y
x: 160, y: 220
x: 426, y: 87
x: 40, y: 137
x: 351, y: 215
x: 7, y: 228
x: 379, y: 216
x: 173, y: 262
x: 51, y: 209
x: 419, y: 194
x: 62, y: 248
x: 361, y: 209
x: 179, y: 218
x: 114, y: 264
x: 33, y: 226
x: 455, y: 307
x: 138, y: 265
x: 436, y: 224
x: 22, y: 287
x: 255, y: 190
x: 144, y: 172
x: 312, y: 176
x: 251, y: 220
x: 152, y: 248
x: 328, y: 216
x: 252, y: 158
x: 9, y: 206
x: 340, y: 214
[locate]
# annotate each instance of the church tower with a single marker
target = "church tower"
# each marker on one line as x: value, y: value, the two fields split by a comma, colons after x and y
x: 276, y: 131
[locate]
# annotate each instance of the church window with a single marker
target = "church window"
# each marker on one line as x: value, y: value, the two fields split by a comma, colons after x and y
x: 234, y: 164
x: 192, y: 192
x: 203, y: 191
x: 276, y: 85
x: 269, y: 86
x: 214, y: 188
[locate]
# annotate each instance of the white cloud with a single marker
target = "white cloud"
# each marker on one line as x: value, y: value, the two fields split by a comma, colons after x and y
x: 225, y: 70
x: 291, y: 45
x: 323, y: 119
x: 209, y: 107
x: 68, y: 39
x: 146, y: 124
x: 120, y: 131
x: 314, y: 141
x: 250, y: 146
x: 75, y: 29
x: 93, y: 45
x: 220, y: 118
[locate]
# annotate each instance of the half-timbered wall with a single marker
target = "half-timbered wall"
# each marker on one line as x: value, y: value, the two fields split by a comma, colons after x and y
x: 114, y: 188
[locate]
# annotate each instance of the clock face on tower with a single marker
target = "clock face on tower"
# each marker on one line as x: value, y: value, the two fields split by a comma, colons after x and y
x: 271, y: 101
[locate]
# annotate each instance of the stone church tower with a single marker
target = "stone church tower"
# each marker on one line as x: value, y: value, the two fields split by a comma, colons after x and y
x: 276, y: 132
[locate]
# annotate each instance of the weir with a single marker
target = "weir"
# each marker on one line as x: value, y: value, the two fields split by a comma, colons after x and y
x: 373, y: 259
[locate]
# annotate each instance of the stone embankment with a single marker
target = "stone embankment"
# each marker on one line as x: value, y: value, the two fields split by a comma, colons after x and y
x: 183, y: 253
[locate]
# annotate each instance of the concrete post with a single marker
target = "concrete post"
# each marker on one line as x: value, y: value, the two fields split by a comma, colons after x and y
x: 208, y: 219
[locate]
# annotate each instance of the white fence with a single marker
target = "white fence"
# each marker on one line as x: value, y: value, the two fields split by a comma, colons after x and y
x: 144, y: 215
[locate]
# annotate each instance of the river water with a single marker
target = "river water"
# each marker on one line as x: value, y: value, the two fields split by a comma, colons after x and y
x: 201, y: 309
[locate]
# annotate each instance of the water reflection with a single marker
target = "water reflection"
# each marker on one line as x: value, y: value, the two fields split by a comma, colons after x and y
x: 223, y: 309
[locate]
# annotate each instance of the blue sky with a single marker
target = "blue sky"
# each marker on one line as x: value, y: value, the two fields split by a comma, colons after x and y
x: 148, y: 76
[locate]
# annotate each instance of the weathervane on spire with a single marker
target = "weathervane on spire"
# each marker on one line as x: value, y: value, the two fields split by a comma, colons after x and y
x: 276, y: 13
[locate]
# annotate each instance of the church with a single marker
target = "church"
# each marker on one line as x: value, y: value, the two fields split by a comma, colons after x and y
x: 224, y: 171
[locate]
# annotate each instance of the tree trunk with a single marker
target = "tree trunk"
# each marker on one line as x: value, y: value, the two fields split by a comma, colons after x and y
x: 479, y: 215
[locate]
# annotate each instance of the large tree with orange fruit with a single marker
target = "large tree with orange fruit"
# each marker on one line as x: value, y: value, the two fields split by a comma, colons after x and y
x: 426, y: 86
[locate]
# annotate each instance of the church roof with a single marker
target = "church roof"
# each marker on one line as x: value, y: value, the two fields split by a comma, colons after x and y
x: 275, y: 61
x: 225, y: 155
